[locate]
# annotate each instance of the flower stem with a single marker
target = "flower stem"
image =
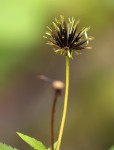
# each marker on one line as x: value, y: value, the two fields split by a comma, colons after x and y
x: 57, y: 93
x: 65, y: 104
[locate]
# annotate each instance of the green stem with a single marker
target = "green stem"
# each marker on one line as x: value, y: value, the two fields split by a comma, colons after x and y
x: 65, y: 104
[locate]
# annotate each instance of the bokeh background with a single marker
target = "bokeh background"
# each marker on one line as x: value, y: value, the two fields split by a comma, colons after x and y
x: 25, y: 101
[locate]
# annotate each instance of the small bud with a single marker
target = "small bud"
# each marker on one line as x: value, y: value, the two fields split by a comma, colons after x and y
x: 58, y: 85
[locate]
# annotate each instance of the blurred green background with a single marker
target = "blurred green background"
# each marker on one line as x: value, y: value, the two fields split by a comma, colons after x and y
x: 25, y: 101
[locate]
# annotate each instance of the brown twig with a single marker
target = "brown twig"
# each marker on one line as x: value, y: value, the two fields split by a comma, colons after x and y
x: 58, y: 87
x: 57, y: 93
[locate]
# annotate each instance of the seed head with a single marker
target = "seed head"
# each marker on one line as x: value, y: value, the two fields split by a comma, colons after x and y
x: 65, y: 39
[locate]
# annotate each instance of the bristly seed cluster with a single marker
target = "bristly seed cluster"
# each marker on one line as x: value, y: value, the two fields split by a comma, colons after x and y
x: 65, y: 39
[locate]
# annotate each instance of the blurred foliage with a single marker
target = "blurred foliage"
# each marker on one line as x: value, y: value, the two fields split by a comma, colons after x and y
x: 112, y: 148
x: 22, y: 25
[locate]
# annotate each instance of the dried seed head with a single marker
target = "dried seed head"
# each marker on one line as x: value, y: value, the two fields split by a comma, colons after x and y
x: 65, y: 39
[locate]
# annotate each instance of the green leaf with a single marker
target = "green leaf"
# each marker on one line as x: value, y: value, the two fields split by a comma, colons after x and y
x: 37, y: 145
x: 6, y: 147
x: 112, y: 148
x: 55, y: 146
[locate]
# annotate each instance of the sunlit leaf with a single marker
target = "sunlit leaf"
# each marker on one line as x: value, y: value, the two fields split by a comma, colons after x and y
x: 37, y: 145
x: 6, y: 147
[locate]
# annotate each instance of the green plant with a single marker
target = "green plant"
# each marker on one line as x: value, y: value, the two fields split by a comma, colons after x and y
x: 6, y: 147
x: 65, y: 40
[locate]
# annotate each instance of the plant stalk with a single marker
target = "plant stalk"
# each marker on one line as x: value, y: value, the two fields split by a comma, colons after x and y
x: 65, y: 105
x: 57, y: 93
